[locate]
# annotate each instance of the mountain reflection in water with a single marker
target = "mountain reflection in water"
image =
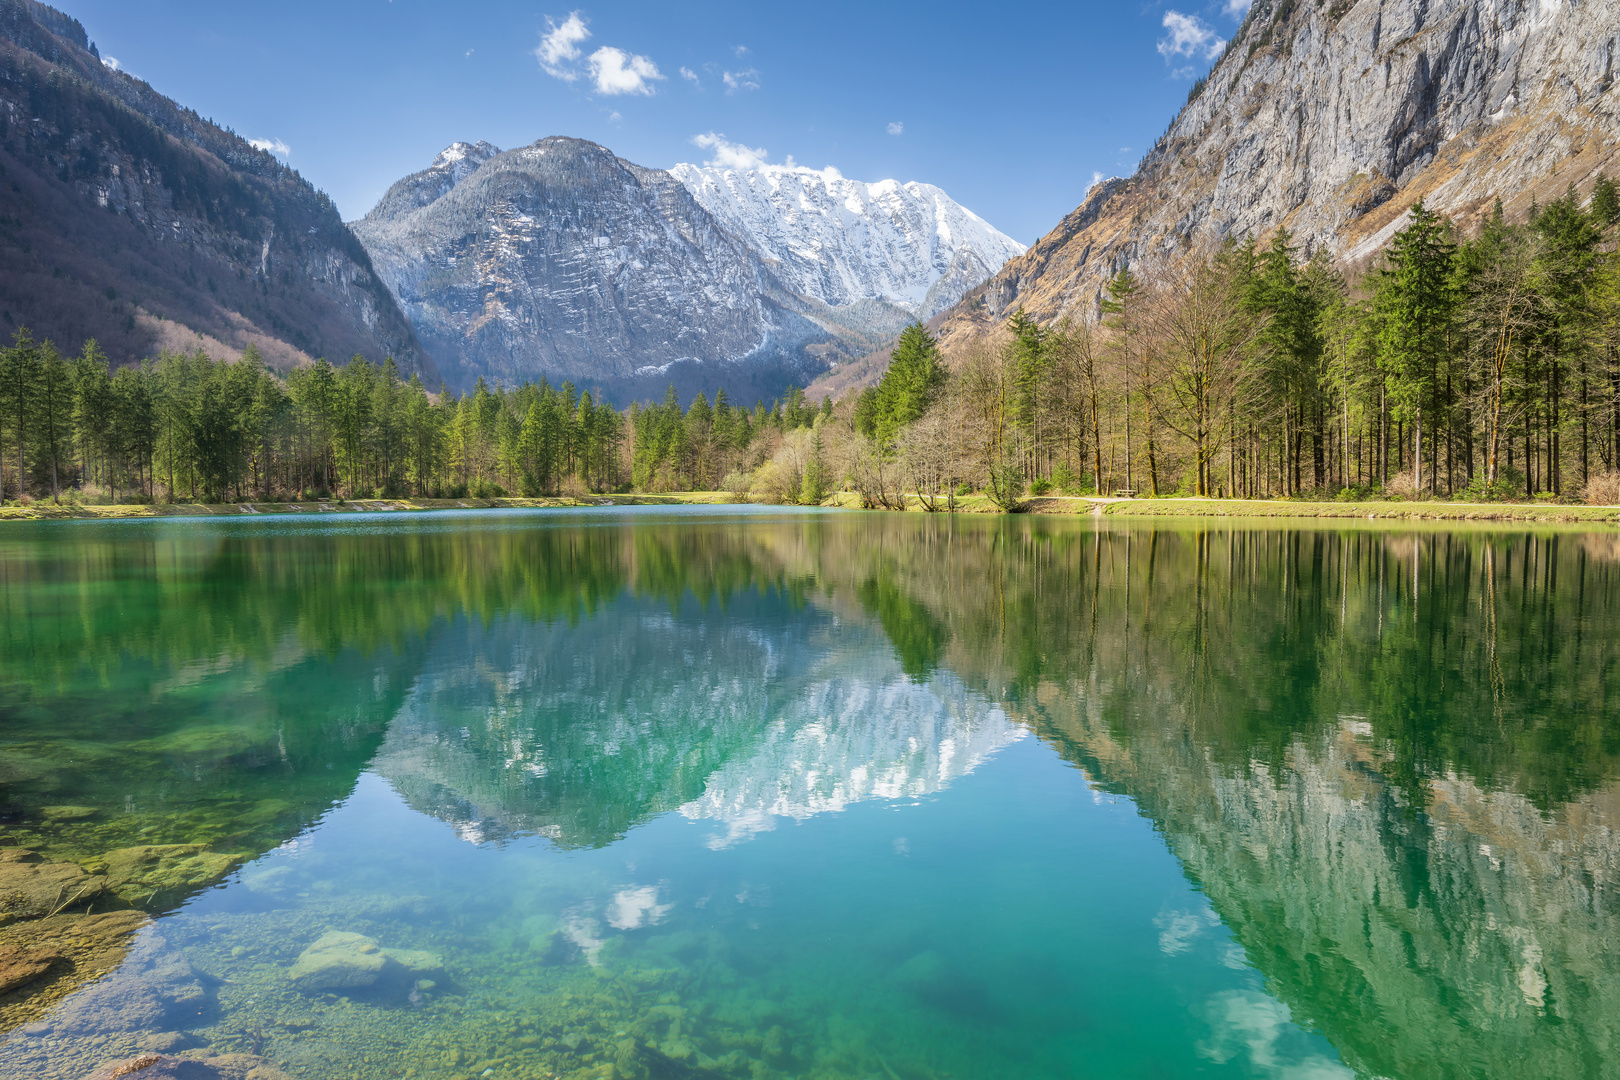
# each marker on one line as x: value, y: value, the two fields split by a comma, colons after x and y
x: 1386, y: 758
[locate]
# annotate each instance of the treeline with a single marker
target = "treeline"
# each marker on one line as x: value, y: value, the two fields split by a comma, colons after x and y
x: 1485, y: 367
x: 186, y: 427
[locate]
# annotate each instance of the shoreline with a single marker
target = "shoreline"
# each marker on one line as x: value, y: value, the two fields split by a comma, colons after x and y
x: 1048, y: 505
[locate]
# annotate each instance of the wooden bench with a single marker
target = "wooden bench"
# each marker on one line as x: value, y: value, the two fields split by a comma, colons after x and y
x: 1125, y: 493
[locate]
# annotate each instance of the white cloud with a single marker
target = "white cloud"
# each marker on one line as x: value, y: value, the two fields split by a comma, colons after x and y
x: 740, y: 80
x: 1189, y: 36
x: 468, y: 54
x: 896, y: 128
x: 560, y: 46
x: 614, y: 117
x: 1236, y: 9
x: 110, y: 61
x: 617, y: 72
x: 740, y: 51
x: 727, y: 154
x: 271, y: 146
x: 688, y: 73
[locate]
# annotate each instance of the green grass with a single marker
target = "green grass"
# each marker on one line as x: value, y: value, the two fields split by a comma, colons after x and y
x: 1371, y: 510
x: 970, y: 504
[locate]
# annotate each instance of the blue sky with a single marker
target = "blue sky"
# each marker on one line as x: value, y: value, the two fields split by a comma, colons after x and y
x: 1012, y: 109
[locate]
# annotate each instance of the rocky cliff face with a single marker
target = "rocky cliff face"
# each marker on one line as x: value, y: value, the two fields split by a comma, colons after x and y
x: 843, y: 242
x: 561, y: 260
x: 130, y: 219
x: 1331, y: 119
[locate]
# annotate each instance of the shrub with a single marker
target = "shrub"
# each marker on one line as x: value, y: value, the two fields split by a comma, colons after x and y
x: 964, y: 489
x: 1509, y: 485
x: 1603, y: 489
x: 737, y: 485
x: 1040, y: 486
x: 775, y: 482
x: 1402, y: 485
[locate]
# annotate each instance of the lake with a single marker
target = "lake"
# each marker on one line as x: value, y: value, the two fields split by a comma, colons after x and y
x: 763, y: 794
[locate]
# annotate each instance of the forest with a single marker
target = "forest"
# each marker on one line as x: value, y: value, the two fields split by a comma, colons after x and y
x: 1480, y: 368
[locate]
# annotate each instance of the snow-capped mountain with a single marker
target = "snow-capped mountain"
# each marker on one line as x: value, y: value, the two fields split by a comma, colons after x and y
x: 562, y: 260
x: 843, y: 241
x: 453, y: 165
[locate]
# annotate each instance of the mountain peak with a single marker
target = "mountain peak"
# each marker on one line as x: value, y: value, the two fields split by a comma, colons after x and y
x: 461, y: 155
x: 844, y: 242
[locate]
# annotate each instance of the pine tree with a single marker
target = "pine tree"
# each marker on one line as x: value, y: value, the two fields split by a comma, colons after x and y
x: 19, y: 383
x: 909, y: 386
x: 1415, y: 298
x: 53, y: 427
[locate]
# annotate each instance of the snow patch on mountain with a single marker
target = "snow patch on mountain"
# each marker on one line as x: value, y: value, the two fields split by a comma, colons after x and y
x: 843, y: 241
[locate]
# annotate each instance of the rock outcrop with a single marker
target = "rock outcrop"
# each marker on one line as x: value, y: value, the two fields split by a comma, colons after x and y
x: 1330, y: 120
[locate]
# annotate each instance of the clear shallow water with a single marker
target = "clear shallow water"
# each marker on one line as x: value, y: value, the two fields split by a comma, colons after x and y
x: 782, y: 795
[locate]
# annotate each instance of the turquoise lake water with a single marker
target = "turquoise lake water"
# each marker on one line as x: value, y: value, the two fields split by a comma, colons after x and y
x: 762, y: 794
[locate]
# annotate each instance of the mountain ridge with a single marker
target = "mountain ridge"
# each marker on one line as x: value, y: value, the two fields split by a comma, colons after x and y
x: 129, y: 218
x: 561, y: 259
x: 841, y: 241
x: 1330, y: 121
x: 564, y: 260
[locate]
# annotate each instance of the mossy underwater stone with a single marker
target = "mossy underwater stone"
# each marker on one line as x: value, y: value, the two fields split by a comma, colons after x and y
x: 163, y: 872
x: 67, y: 813
x: 342, y: 960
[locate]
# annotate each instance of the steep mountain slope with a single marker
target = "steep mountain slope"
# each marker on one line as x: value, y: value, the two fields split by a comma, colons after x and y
x: 1331, y: 120
x: 841, y: 241
x: 130, y: 219
x: 560, y: 259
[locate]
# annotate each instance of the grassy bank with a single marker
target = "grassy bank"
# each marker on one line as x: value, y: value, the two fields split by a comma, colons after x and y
x: 1371, y: 511
x: 971, y: 504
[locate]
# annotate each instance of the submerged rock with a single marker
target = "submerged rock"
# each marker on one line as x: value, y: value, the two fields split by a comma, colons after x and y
x: 340, y: 960
x: 164, y: 872
x: 154, y: 989
x: 20, y: 965
x: 31, y: 888
x: 67, y: 813
x: 167, y: 1067
x: 86, y: 947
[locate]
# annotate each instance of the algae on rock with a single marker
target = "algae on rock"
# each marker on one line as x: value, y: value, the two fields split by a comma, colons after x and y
x: 163, y: 873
